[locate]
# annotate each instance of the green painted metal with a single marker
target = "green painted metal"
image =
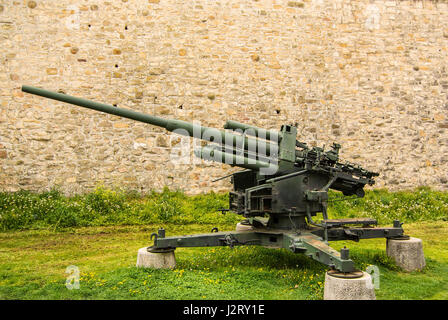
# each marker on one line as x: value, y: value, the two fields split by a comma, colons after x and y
x: 181, y: 127
x: 285, y: 185
x: 126, y: 113
x: 253, y: 131
x: 212, y: 153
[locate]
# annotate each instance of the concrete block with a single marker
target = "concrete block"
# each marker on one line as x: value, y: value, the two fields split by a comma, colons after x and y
x: 165, y: 260
x: 349, y: 289
x: 243, y: 227
x: 408, y: 254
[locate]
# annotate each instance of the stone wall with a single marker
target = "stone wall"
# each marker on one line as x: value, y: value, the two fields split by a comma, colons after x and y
x: 371, y: 75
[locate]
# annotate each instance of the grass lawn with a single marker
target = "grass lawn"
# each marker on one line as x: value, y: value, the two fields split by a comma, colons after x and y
x: 33, y: 265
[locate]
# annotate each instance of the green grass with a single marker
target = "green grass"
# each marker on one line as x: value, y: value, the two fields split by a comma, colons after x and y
x: 422, y: 204
x: 53, y: 211
x: 33, y: 265
x: 100, y: 232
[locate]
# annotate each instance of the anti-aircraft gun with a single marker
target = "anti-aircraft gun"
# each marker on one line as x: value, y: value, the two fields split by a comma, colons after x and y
x: 284, y: 185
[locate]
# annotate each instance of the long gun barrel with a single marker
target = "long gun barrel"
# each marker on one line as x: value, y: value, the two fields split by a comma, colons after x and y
x: 126, y: 113
x: 252, y: 130
x: 178, y: 126
x: 213, y: 154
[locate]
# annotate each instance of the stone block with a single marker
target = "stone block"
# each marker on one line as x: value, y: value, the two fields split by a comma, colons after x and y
x: 165, y: 260
x: 407, y: 254
x: 349, y: 289
x: 243, y: 227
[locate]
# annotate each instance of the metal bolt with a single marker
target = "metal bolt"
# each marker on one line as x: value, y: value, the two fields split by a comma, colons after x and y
x: 345, y: 254
x: 397, y: 224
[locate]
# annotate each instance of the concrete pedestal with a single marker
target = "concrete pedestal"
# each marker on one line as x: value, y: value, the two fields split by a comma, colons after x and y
x: 408, y: 254
x: 243, y: 227
x: 165, y: 260
x: 349, y: 289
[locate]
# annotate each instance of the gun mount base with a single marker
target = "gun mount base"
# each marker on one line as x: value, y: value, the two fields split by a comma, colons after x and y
x: 407, y: 253
x: 157, y: 259
x: 153, y: 249
x: 344, y: 288
x: 345, y: 275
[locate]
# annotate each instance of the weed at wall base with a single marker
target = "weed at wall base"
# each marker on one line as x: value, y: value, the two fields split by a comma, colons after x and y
x: 52, y: 210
